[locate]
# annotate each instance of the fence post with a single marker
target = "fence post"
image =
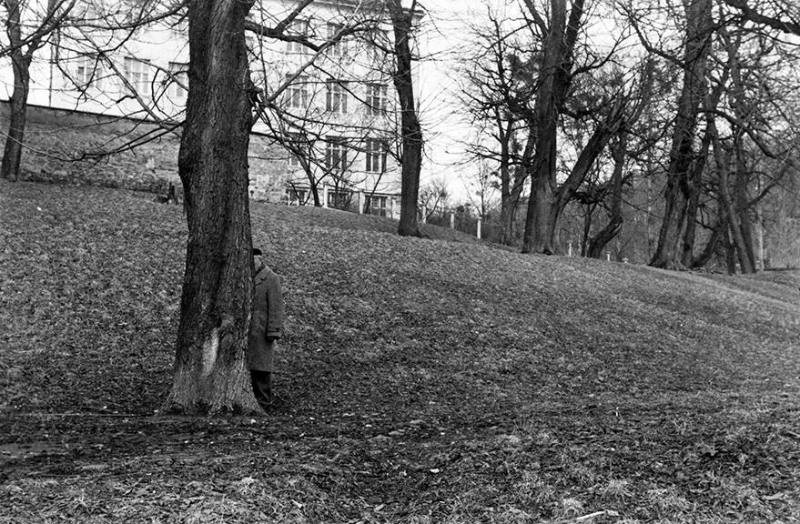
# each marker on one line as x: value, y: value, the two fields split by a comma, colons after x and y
x: 324, y: 195
x: 479, y: 228
x: 569, y: 248
x: 452, y: 220
x: 608, y: 256
x: 360, y: 202
x: 424, y: 214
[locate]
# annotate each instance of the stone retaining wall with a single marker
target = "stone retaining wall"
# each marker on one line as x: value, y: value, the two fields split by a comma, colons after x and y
x: 62, y: 146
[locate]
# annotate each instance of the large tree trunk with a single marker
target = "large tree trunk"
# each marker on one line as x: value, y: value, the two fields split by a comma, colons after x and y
x: 544, y: 127
x: 12, y: 153
x: 411, y: 131
x: 554, y: 82
x: 20, y: 62
x: 210, y: 372
x: 698, y: 42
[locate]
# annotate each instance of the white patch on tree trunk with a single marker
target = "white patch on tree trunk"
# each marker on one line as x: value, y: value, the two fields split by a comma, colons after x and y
x: 210, y: 350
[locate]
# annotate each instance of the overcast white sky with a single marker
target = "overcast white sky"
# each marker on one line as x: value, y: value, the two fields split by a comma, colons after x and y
x: 445, y: 41
x: 442, y: 42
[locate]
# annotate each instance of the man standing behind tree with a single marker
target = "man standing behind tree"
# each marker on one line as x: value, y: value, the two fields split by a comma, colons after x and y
x: 266, y: 327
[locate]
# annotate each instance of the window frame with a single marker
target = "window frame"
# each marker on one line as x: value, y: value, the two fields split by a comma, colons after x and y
x: 336, y: 97
x: 336, y: 154
x: 376, y: 150
x: 138, y: 77
x: 298, y: 27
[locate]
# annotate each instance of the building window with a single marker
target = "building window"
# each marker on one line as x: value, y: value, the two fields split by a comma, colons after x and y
x: 340, y: 199
x: 377, y: 95
x: 137, y: 73
x: 86, y: 72
x: 336, y: 155
x: 178, y: 81
x: 296, y: 196
x: 298, y: 27
x: 376, y: 155
x: 335, y: 97
x: 378, y: 205
x: 338, y: 49
x: 294, y: 161
x: 297, y: 93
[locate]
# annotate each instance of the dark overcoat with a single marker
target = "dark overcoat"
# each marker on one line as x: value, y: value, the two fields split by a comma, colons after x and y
x: 266, y: 325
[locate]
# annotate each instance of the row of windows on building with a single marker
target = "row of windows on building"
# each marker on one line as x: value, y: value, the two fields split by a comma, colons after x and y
x: 345, y: 200
x: 376, y: 41
x: 338, y: 94
x: 136, y: 74
x: 340, y: 156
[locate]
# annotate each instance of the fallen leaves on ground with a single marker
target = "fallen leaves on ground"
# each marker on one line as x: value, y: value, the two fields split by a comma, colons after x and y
x: 433, y: 379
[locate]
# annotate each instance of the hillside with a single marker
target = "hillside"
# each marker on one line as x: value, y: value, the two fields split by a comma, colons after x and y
x: 425, y: 380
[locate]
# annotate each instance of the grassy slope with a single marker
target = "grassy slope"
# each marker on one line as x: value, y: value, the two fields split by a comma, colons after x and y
x: 424, y: 380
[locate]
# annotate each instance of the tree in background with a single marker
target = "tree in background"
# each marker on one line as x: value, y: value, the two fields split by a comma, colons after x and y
x: 492, y: 94
x: 44, y: 20
x: 410, y: 128
x: 680, y: 185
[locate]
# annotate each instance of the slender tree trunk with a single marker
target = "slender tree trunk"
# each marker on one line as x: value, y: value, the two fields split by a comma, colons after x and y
x: 698, y: 43
x: 511, y: 199
x: 506, y: 152
x: 729, y: 215
x: 711, y: 246
x: 587, y: 228
x: 210, y: 374
x: 586, y: 159
x: 411, y: 131
x: 741, y: 205
x: 693, y: 205
x: 20, y: 62
x: 612, y: 229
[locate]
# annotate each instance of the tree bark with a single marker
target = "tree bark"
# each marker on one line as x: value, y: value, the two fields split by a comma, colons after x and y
x: 677, y: 193
x: 411, y: 131
x: 210, y: 374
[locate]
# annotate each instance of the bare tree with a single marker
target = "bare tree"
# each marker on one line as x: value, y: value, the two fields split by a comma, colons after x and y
x: 210, y: 373
x: 410, y: 128
x: 21, y: 49
x: 493, y: 94
x: 699, y: 27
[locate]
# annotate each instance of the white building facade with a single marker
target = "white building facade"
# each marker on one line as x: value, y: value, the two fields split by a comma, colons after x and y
x: 327, y: 133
